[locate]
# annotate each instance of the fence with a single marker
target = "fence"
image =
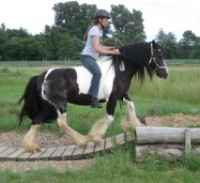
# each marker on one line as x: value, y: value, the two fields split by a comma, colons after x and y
x: 40, y: 63
x: 167, y: 142
x: 77, y: 62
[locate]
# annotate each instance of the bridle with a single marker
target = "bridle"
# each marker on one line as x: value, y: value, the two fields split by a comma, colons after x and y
x: 153, y: 59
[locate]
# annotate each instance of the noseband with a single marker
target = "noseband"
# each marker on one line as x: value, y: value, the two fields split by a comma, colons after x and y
x: 153, y: 60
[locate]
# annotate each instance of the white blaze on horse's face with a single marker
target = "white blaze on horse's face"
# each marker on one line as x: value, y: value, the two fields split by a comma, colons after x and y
x: 84, y: 78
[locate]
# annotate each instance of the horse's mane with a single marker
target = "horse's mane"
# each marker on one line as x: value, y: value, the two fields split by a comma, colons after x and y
x: 136, y: 56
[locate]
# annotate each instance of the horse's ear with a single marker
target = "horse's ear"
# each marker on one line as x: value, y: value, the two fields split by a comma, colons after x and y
x: 153, y: 42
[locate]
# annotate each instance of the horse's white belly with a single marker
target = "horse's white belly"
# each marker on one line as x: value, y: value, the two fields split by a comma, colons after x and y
x: 84, y: 78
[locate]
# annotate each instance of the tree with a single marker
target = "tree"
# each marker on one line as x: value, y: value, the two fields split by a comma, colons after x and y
x: 44, y: 50
x: 190, y: 44
x: 13, y: 49
x: 168, y: 43
x: 61, y: 45
x: 73, y: 18
x: 3, y: 27
x: 128, y: 25
x: 3, y: 39
x: 32, y: 50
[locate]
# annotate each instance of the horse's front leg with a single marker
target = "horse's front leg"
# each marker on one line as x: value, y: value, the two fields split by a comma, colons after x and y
x: 130, y: 121
x: 100, y: 127
x: 76, y: 136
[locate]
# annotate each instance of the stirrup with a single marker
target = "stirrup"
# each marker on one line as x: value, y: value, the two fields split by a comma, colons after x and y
x: 95, y: 103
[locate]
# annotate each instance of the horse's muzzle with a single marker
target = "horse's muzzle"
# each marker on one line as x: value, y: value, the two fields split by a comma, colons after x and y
x: 162, y: 73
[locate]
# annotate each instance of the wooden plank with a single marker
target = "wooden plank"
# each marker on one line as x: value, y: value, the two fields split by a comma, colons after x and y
x: 24, y: 156
x: 3, y: 149
x: 89, y: 150
x: 78, y: 153
x: 36, y: 156
x: 129, y: 137
x: 110, y: 143
x: 7, y: 152
x: 100, y: 147
x: 58, y: 153
x: 120, y: 139
x: 14, y: 155
x: 67, y: 154
x: 47, y: 154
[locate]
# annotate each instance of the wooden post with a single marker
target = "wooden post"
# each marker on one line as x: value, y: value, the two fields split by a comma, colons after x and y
x: 187, y: 140
x: 166, y: 141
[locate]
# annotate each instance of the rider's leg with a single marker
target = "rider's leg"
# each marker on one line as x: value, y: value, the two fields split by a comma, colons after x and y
x: 93, y: 67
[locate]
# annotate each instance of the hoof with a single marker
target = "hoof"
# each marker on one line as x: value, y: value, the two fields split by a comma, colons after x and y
x: 142, y: 120
x: 32, y: 148
x: 96, y: 140
x: 82, y: 141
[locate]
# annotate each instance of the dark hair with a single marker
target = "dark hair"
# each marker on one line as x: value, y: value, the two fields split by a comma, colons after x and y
x: 94, y: 22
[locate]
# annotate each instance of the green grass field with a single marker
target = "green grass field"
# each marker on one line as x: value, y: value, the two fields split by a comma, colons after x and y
x: 179, y: 93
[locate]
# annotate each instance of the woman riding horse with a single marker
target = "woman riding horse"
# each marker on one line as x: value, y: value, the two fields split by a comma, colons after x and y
x: 92, y: 50
x: 46, y: 96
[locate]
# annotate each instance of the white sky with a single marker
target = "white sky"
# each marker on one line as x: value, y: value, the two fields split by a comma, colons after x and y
x: 170, y: 15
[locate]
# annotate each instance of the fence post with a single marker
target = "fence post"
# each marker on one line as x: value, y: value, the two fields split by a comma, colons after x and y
x: 187, y: 140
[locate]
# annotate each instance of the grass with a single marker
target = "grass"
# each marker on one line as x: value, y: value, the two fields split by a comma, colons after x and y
x: 182, y: 85
x: 178, y: 94
x: 116, y: 167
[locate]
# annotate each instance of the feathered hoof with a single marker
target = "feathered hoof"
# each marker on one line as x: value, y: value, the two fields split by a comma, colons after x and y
x: 81, y: 142
x: 32, y: 148
x: 96, y: 140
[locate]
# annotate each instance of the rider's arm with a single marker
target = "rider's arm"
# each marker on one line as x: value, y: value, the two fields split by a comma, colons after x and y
x: 103, y: 50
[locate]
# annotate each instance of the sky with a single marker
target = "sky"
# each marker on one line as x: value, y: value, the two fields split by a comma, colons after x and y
x: 168, y: 15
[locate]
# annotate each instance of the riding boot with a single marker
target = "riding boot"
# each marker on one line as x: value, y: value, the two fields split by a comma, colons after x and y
x: 95, y: 103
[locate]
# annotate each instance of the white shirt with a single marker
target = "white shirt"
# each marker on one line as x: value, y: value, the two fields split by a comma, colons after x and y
x: 88, y: 49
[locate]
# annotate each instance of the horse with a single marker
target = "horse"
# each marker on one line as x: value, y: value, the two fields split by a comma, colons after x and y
x: 46, y: 95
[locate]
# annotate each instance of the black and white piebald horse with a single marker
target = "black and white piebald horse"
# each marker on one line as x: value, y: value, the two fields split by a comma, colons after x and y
x: 46, y: 95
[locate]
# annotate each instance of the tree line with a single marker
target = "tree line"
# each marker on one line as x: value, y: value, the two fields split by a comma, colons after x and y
x: 64, y: 39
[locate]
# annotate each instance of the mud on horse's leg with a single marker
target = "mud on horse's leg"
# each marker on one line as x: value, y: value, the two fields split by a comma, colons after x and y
x: 77, y: 137
x: 28, y: 141
x: 130, y: 121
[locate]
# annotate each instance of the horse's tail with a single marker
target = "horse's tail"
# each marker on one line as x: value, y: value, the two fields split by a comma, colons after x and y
x: 31, y: 100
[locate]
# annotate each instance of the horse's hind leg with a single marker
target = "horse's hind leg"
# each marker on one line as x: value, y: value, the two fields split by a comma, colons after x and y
x: 130, y: 121
x: 28, y: 142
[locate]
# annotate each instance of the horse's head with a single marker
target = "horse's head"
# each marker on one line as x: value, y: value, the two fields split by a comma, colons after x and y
x: 156, y: 62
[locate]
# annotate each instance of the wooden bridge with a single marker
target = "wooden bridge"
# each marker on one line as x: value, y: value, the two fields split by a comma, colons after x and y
x: 164, y: 141
x: 68, y: 152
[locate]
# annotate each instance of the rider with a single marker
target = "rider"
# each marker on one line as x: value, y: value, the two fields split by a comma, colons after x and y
x: 92, y: 50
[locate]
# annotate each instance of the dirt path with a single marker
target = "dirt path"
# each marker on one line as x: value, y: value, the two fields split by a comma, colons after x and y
x: 13, y: 139
x: 177, y: 120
